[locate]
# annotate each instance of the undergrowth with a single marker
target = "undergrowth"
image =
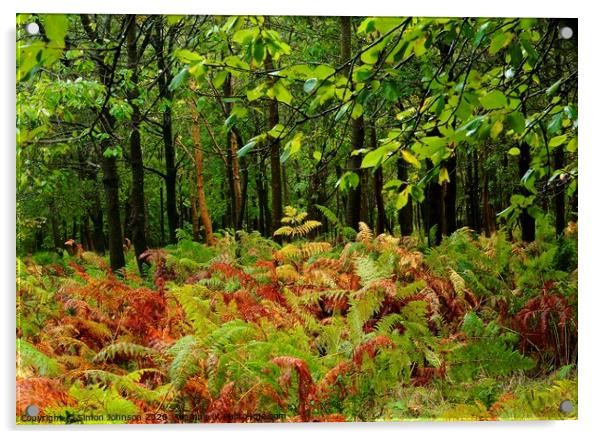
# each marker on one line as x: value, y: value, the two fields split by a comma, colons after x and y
x: 358, y: 329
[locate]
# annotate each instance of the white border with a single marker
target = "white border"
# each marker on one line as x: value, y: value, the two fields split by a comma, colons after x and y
x: 590, y: 291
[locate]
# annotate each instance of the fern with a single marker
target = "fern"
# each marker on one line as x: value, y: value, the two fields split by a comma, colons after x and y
x: 187, y: 353
x: 123, y: 350
x: 30, y: 360
x: 299, y: 225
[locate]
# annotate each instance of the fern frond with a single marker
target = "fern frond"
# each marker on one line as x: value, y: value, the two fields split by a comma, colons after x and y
x: 365, y: 235
x: 124, y: 349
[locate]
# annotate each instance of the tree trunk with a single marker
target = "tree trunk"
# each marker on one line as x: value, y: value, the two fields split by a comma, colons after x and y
x: 200, y: 184
x: 166, y: 127
x: 381, y: 217
x: 354, y: 195
x: 54, y: 222
x: 449, y: 201
x: 273, y: 119
x: 138, y: 215
x: 109, y: 164
x: 110, y: 181
x: 232, y: 166
x: 405, y: 214
x: 96, y: 216
x: 527, y: 222
x: 161, y: 215
x: 559, y: 202
x: 433, y: 210
x: 472, y: 184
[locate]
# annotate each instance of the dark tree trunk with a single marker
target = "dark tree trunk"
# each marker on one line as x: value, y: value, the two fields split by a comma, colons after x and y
x: 161, y: 215
x: 354, y: 195
x: 405, y: 214
x: 108, y: 162
x: 110, y: 181
x: 381, y: 216
x: 527, y: 222
x: 166, y: 127
x: 488, y: 212
x: 472, y: 187
x: 96, y: 215
x: 433, y: 210
x: 234, y: 140
x: 54, y: 222
x: 138, y: 215
x: 449, y: 202
x: 559, y: 202
x: 273, y: 119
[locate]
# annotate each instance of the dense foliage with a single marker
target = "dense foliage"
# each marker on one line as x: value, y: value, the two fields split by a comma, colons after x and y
x: 249, y: 330
x: 232, y: 219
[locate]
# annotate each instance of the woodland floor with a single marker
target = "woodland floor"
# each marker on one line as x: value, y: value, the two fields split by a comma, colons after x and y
x: 374, y: 329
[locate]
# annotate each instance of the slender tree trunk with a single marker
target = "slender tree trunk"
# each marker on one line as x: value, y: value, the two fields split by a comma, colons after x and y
x: 232, y: 165
x: 98, y: 235
x: 559, y: 202
x: 488, y: 212
x: 54, y: 222
x: 161, y: 215
x: 405, y: 214
x: 450, y: 197
x: 433, y: 210
x: 109, y: 164
x: 138, y: 215
x: 200, y: 184
x: 381, y: 217
x: 273, y: 119
x: 354, y: 195
x: 473, y: 190
x: 110, y: 181
x: 527, y: 222
x: 166, y: 127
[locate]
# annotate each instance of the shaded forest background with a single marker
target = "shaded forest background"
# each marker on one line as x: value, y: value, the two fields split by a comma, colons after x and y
x: 132, y: 128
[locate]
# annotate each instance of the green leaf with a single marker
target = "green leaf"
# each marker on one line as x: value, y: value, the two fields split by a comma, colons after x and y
x: 292, y: 147
x: 348, y: 180
x: 259, y: 52
x: 178, y: 79
x: 514, y: 151
x: 496, y: 129
x: 392, y: 184
x: 498, y: 42
x: 310, y: 85
x: 317, y: 155
x: 402, y: 198
x: 555, y: 124
x: 323, y: 71
x: 174, y: 19
x: 276, y: 131
x: 516, y: 121
x: 280, y: 93
x: 493, y: 100
x: 187, y: 56
x: 556, y: 141
x: 572, y: 146
x: 342, y: 111
x: 256, y: 93
x: 56, y: 27
x: 410, y: 158
x: 245, y: 149
x: 443, y: 176
x: 375, y: 157
x: 553, y: 89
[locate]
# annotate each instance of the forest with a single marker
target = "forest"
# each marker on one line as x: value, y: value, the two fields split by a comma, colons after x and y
x: 295, y: 219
